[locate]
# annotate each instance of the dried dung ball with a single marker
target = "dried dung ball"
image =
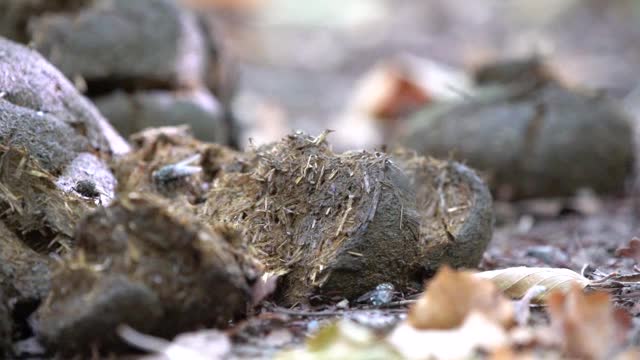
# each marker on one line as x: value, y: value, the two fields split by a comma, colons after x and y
x: 455, y: 209
x: 335, y: 224
x: 531, y: 142
x: 138, y: 44
x: 148, y: 263
x: 130, y: 113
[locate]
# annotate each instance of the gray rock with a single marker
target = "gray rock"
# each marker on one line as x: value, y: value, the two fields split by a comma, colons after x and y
x: 545, y: 141
x: 38, y: 90
x: 130, y: 113
x: 134, y: 44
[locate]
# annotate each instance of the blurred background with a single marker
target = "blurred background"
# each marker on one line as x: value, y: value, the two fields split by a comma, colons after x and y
x: 302, y: 65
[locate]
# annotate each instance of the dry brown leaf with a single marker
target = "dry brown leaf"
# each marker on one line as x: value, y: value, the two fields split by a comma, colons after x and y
x: 516, y: 281
x: 587, y: 324
x: 397, y: 87
x: 631, y: 251
x: 451, y: 296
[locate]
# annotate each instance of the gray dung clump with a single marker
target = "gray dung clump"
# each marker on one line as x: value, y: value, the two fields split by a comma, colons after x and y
x: 28, y: 81
x: 140, y: 110
x: 148, y: 263
x: 47, y: 131
x: 531, y: 139
x: 134, y: 44
x: 51, y: 138
x: 340, y: 224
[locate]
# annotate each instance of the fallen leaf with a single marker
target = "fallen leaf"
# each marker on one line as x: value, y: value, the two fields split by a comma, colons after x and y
x: 396, y: 87
x: 451, y: 296
x: 631, y: 251
x: 516, y: 281
x: 477, y: 332
x: 587, y: 325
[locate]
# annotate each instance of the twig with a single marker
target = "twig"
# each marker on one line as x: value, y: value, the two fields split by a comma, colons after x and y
x: 306, y: 313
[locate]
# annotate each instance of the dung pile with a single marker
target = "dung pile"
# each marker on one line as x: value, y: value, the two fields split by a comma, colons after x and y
x: 148, y: 263
x: 154, y: 165
x: 145, y: 63
x: 54, y: 146
x: 340, y: 224
x: 50, y: 139
x: 532, y: 136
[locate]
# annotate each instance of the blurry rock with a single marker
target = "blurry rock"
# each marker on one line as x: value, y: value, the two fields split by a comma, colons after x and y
x: 146, y: 263
x: 130, y: 113
x: 456, y: 212
x: 15, y: 14
x: 28, y: 81
x: 340, y: 224
x: 123, y: 43
x: 532, y: 140
x: 158, y: 148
